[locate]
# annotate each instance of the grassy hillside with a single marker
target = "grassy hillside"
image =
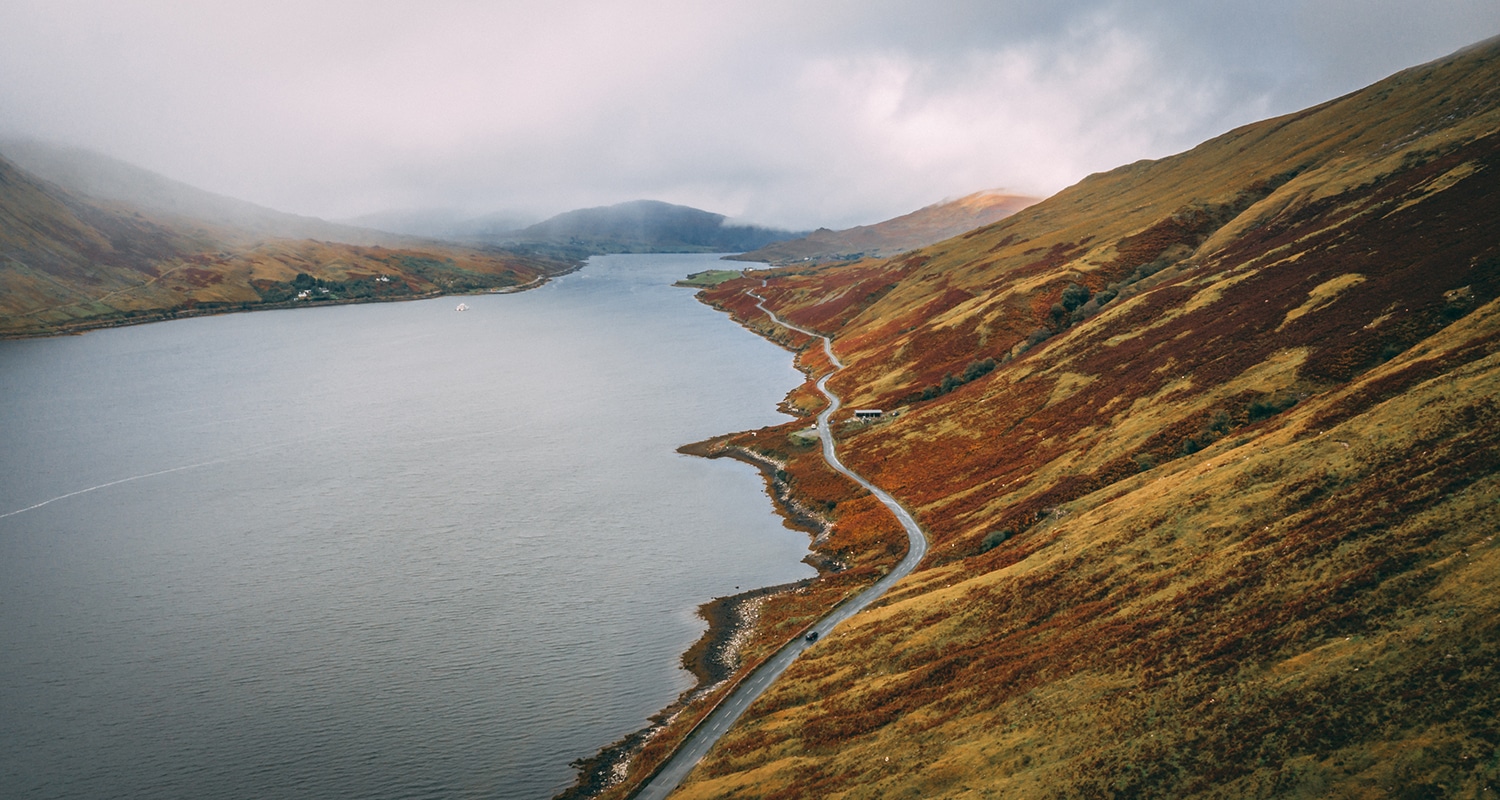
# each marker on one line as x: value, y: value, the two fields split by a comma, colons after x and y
x: 1207, y: 451
x: 893, y: 236
x: 70, y: 263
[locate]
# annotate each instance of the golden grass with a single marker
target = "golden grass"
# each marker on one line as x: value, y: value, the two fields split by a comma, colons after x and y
x: 1195, y: 543
x: 1253, y: 498
x: 1321, y: 295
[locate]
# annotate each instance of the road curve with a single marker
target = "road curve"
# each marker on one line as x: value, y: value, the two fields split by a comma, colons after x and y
x: 696, y: 745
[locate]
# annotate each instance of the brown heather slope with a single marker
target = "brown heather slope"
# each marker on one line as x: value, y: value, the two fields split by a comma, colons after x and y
x: 70, y: 263
x: 1231, y: 533
x: 906, y: 232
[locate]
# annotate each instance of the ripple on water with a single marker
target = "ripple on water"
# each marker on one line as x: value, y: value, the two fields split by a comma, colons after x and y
x: 379, y: 550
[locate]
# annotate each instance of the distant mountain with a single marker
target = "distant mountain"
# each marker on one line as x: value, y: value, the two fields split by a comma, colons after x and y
x: 109, y: 180
x: 71, y: 262
x: 907, y: 232
x: 649, y: 226
x: 448, y: 224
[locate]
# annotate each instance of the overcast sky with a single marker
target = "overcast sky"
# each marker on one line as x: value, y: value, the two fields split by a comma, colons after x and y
x: 798, y: 114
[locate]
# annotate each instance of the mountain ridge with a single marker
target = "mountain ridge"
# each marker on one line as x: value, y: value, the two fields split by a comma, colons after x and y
x: 648, y: 226
x: 108, y: 180
x: 910, y: 231
x: 1207, y: 448
x: 636, y: 226
x: 70, y: 262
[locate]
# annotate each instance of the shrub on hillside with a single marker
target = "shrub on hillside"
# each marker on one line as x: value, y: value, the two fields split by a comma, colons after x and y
x: 1074, y: 296
x: 1269, y: 406
x: 1094, y: 304
x: 978, y: 369
x: 975, y: 371
x: 1210, y: 433
x: 994, y: 539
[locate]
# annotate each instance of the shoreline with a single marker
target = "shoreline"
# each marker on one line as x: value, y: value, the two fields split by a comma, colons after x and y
x: 712, y: 660
x: 191, y: 312
x: 783, y: 498
x: 683, y: 755
x: 732, y: 619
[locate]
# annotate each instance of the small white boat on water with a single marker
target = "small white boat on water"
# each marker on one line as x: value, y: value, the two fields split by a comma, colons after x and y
x: 462, y: 307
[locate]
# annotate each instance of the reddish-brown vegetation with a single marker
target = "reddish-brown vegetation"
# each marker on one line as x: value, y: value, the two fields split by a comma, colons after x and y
x: 1231, y: 532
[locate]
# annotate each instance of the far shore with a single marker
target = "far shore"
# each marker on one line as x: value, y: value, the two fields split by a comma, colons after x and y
x: 188, y: 312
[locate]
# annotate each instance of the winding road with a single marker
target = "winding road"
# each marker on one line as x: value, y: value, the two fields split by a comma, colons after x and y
x: 703, y: 737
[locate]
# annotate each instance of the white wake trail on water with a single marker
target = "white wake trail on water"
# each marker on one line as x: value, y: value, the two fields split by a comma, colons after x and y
x: 251, y: 453
x: 109, y: 484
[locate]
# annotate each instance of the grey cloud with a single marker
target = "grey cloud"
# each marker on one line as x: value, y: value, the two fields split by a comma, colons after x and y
x: 799, y: 114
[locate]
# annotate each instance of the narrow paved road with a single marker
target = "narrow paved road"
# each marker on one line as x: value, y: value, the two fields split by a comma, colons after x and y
x: 697, y: 744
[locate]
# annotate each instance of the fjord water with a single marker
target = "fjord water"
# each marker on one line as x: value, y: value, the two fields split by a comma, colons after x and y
x: 387, y: 550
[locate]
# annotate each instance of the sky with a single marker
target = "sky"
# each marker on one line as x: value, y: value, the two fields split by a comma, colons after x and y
x: 797, y: 114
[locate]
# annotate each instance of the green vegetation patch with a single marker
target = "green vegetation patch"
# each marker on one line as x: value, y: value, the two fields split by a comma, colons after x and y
x: 709, y: 278
x: 307, y: 288
x: 450, y: 277
x: 975, y: 371
x: 804, y: 438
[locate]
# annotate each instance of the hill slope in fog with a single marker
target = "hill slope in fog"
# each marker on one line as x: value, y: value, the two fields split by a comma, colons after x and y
x: 71, y: 261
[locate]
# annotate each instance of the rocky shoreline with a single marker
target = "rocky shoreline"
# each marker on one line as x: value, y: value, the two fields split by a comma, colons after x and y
x: 713, y: 659
x: 796, y: 512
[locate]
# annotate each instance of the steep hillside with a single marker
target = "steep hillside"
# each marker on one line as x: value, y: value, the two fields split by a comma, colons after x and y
x: 907, y: 232
x: 110, y: 181
x: 69, y: 263
x: 648, y: 226
x: 1208, y: 450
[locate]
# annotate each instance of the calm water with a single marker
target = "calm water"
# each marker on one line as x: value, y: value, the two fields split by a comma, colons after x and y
x: 371, y: 551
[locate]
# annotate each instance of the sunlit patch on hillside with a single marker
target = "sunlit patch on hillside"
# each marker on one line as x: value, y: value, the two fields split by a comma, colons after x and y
x: 1320, y: 296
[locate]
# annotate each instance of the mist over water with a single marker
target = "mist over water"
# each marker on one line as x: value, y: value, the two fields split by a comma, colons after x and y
x: 385, y: 550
